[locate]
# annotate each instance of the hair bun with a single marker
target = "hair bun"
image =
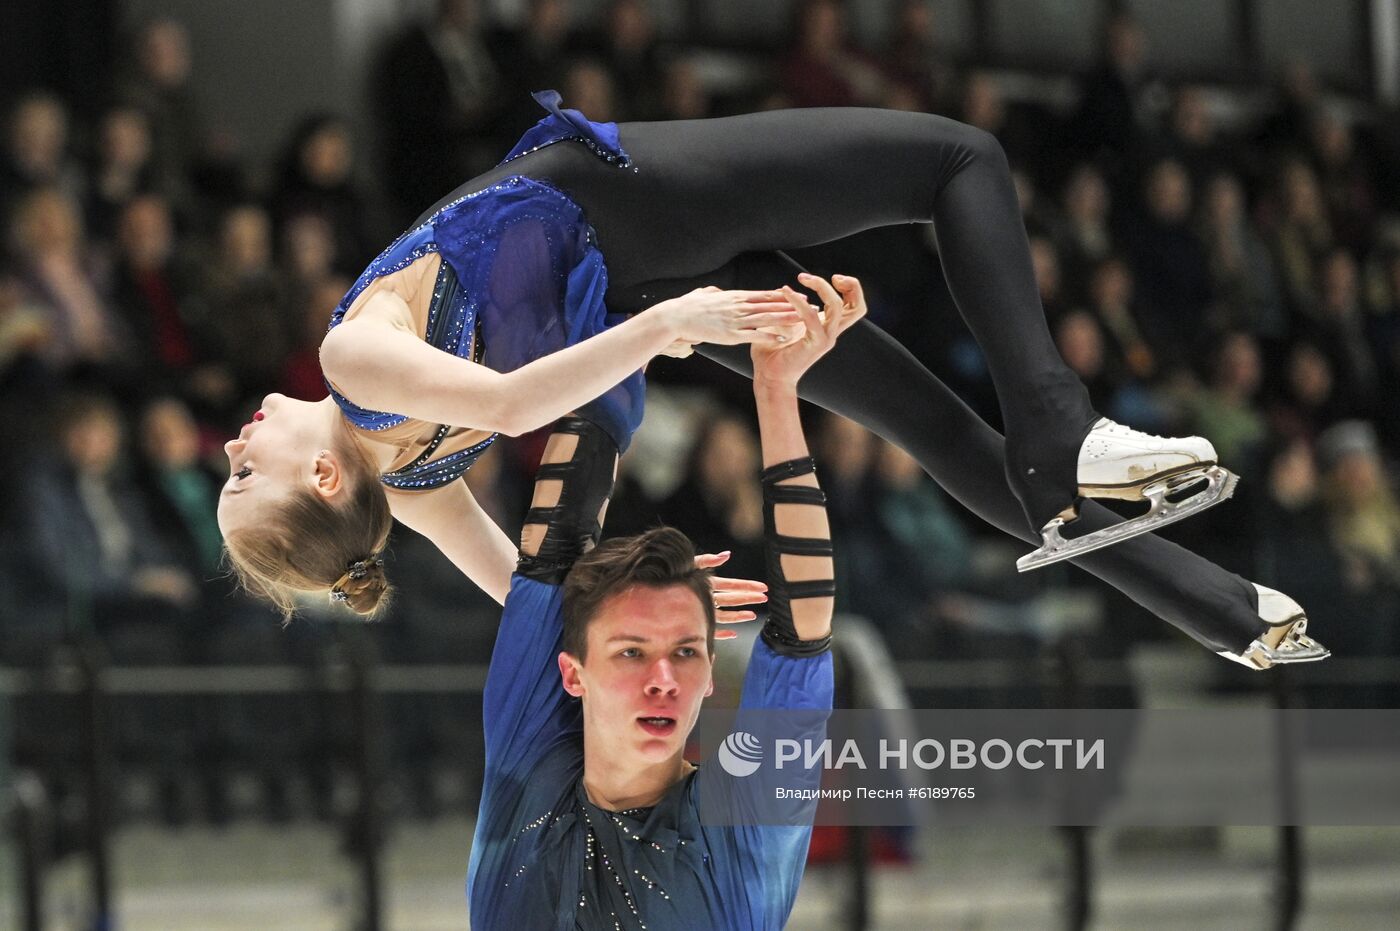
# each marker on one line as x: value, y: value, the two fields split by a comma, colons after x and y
x: 363, y: 587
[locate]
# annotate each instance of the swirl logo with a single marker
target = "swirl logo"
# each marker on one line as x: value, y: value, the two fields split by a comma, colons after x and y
x: 741, y: 754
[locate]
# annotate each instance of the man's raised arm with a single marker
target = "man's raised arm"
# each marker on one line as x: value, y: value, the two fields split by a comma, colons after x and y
x: 801, y: 589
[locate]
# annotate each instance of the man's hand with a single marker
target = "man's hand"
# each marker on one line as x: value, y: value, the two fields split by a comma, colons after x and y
x: 784, y: 363
x: 730, y: 593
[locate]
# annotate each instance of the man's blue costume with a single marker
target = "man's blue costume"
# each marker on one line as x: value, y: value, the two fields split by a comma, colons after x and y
x: 545, y: 857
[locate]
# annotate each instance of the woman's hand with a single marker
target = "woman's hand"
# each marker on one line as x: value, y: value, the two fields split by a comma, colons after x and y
x: 680, y: 349
x: 783, y: 363
x: 730, y: 593
x: 726, y: 318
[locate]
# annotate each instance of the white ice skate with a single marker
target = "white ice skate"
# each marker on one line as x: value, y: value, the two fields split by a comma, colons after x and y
x: 1119, y: 462
x: 1287, y: 640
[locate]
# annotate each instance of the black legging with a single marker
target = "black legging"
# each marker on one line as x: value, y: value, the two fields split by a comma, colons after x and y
x: 707, y: 199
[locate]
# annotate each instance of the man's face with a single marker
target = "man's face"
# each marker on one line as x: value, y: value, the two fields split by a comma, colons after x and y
x: 648, y: 670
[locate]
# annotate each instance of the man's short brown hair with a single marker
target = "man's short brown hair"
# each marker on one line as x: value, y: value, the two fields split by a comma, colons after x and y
x: 658, y: 558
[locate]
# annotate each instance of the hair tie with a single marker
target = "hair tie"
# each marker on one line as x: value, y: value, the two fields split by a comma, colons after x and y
x: 354, y: 571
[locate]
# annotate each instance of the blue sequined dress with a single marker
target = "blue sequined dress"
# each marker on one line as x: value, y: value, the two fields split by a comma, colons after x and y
x: 521, y: 277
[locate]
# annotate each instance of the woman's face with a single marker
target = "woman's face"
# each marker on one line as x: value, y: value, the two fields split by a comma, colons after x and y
x: 274, y: 453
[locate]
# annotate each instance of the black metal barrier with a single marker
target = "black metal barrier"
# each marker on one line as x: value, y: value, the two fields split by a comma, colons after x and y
x: 33, y: 831
x: 353, y: 674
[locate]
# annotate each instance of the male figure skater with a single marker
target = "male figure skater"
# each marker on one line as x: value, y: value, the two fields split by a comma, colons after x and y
x: 589, y: 812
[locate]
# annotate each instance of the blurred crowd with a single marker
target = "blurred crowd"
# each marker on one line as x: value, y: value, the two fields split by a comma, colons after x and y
x: 1212, y: 260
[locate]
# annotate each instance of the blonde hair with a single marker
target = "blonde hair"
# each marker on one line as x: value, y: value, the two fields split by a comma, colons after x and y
x: 309, y: 544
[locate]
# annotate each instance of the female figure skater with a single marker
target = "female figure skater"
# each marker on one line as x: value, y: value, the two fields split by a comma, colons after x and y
x: 492, y: 315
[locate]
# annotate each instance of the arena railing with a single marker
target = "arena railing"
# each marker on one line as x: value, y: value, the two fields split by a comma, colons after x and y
x: 354, y: 674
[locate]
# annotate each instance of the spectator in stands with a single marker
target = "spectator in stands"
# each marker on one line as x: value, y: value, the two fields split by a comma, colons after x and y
x: 1339, y: 330
x: 1192, y: 139
x: 684, y: 95
x: 1363, y: 522
x: 588, y: 84
x: 823, y: 69
x: 182, y: 493
x: 1081, y: 343
x: 1227, y: 410
x: 55, y: 265
x: 1242, y: 273
x: 718, y: 504
x: 301, y: 370
x: 1110, y: 108
x: 1111, y: 300
x: 1344, y: 177
x: 1045, y: 260
x: 847, y: 453
x: 124, y: 169
x: 982, y: 104
x: 1085, y: 235
x: 159, y: 84
x: 248, y: 320
x: 91, y: 546
x: 317, y: 177
x: 927, y: 535
x: 1363, y: 513
x: 306, y: 252
x: 630, y: 52
x: 1308, y: 401
x: 1169, y: 262
x: 1287, y: 127
x: 438, y: 95
x: 158, y: 296
x: 36, y: 151
x: 1302, y: 236
x: 530, y: 58
x: 913, y: 58
x: 1291, y: 537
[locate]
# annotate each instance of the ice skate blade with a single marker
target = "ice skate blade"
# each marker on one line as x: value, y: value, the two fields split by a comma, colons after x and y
x: 1221, y: 484
x: 1295, y: 647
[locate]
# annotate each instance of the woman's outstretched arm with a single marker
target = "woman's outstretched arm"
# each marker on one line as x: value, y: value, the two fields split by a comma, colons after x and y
x: 462, y: 531
x: 382, y: 364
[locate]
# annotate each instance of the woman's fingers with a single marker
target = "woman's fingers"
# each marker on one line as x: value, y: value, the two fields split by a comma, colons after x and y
x: 719, y: 583
x: 733, y: 617
x: 737, y: 599
x: 748, y: 585
x: 790, y: 317
x: 712, y: 560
